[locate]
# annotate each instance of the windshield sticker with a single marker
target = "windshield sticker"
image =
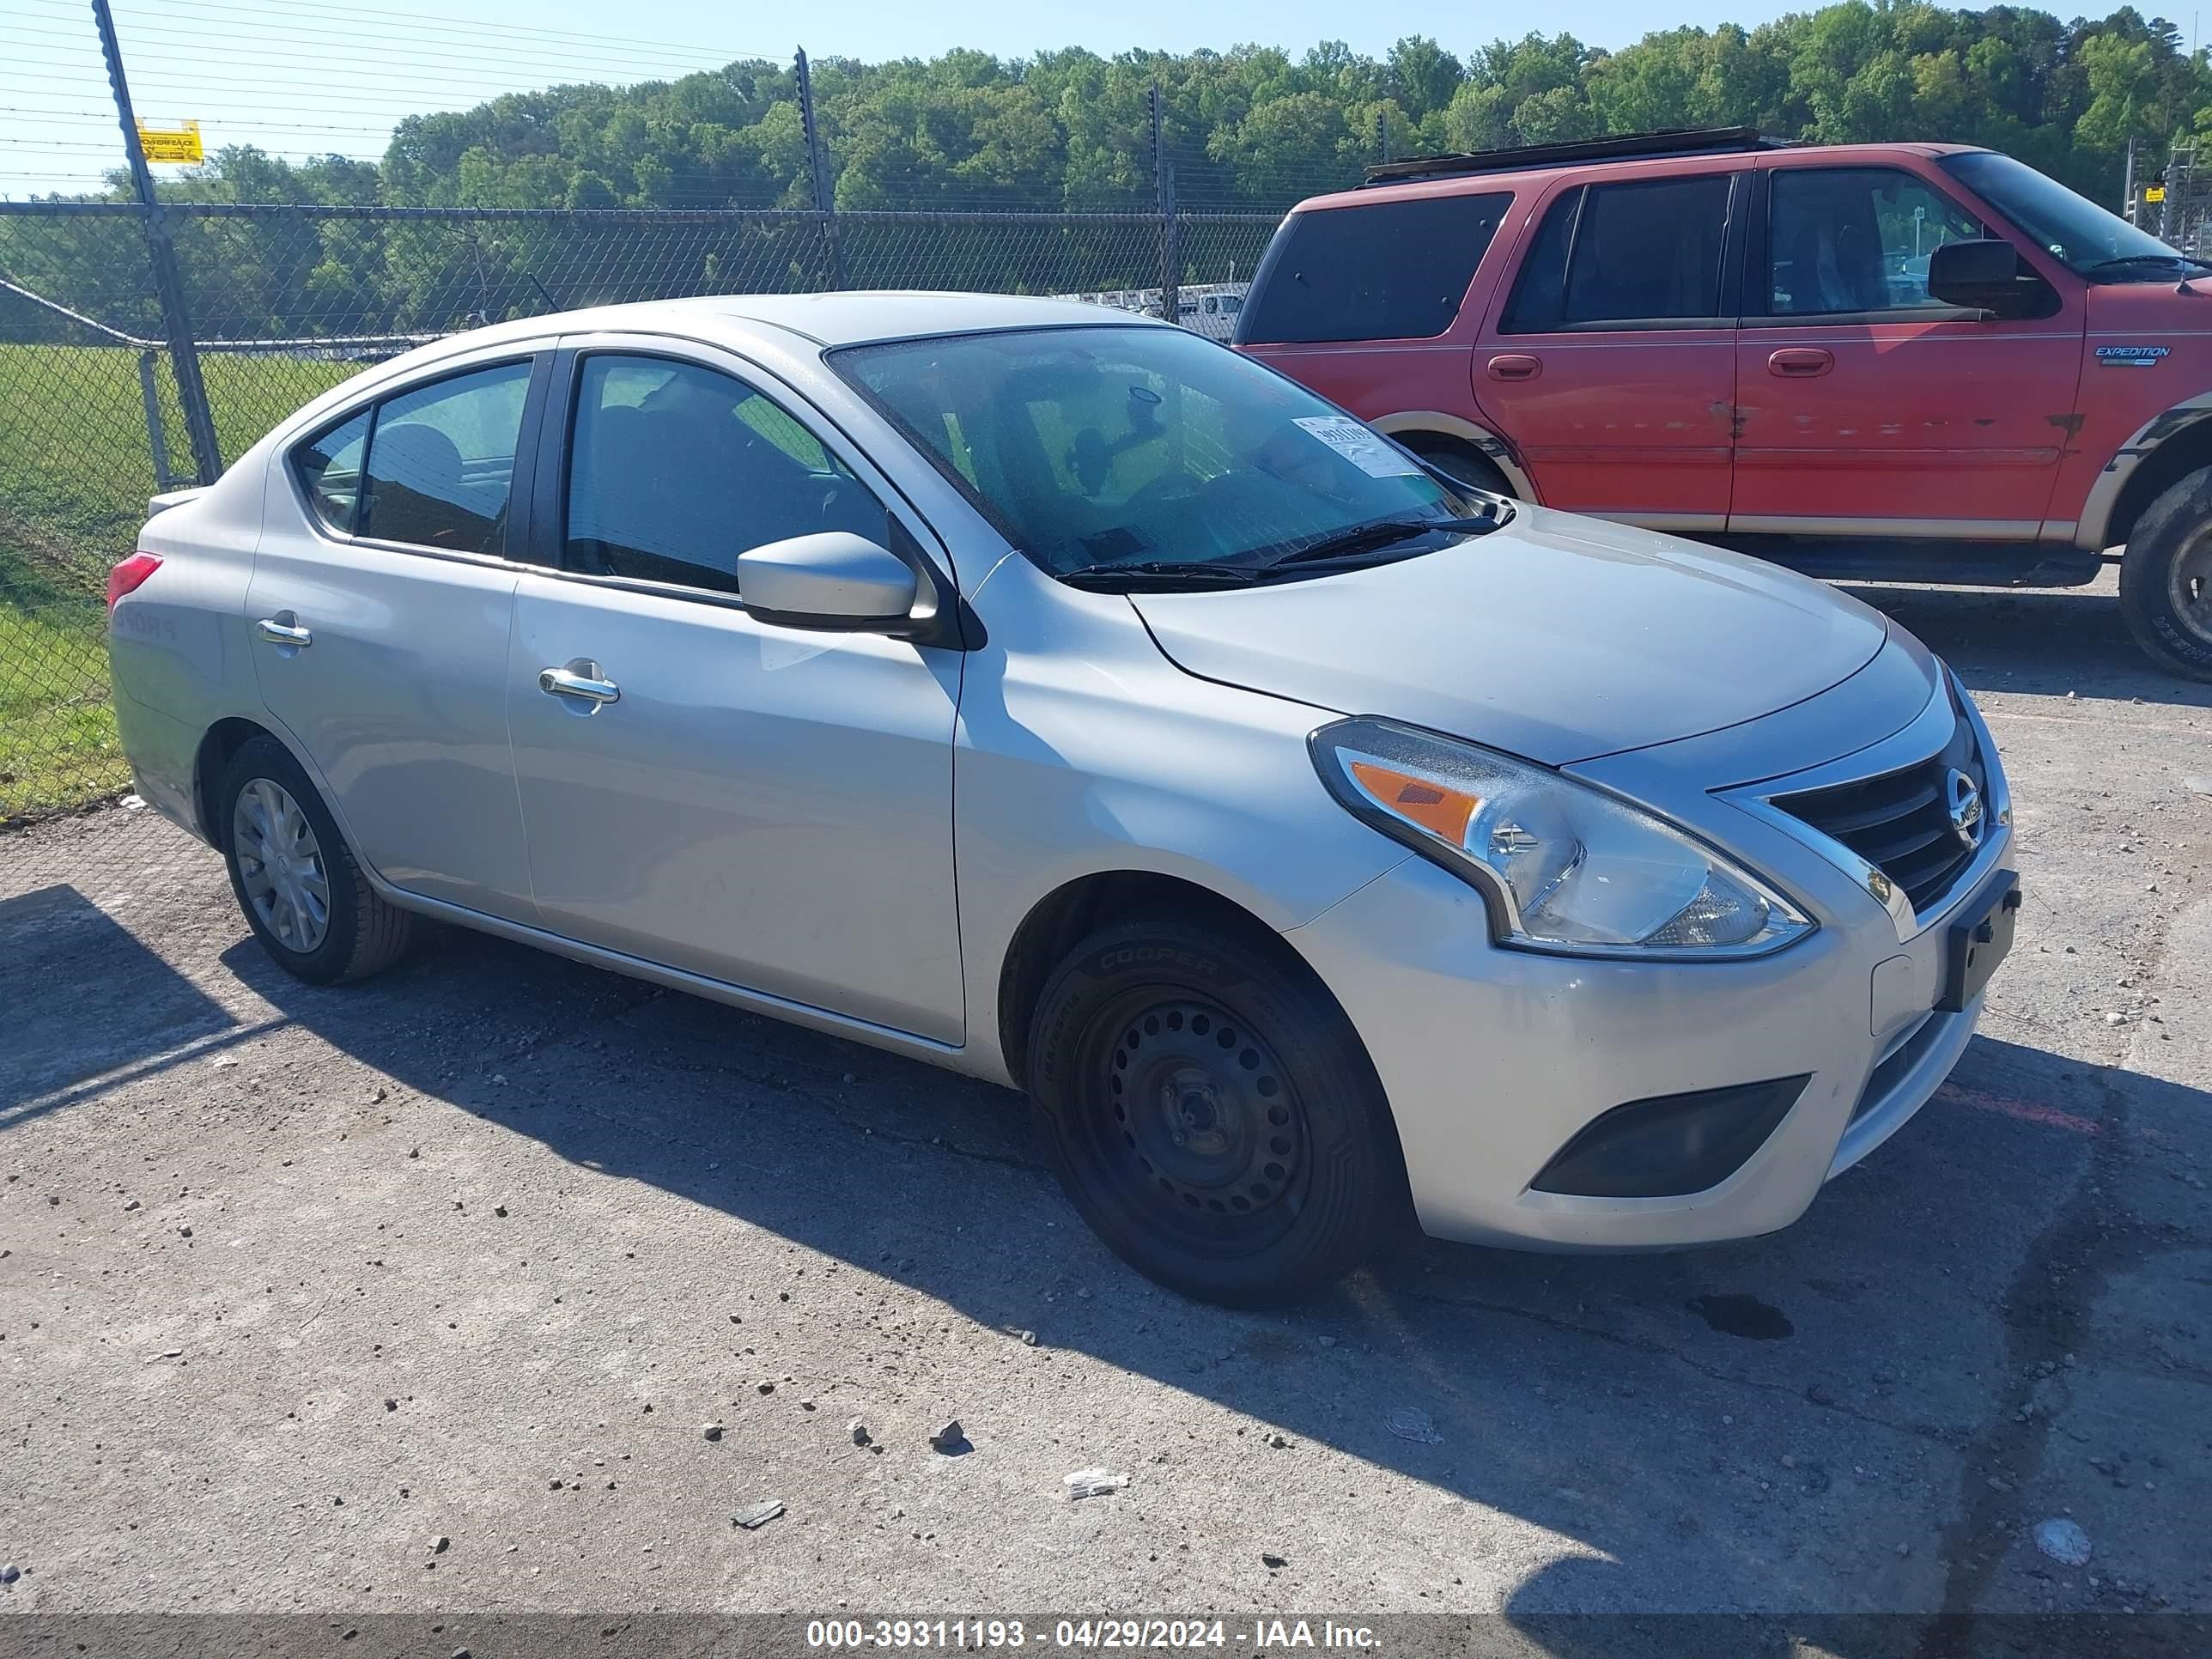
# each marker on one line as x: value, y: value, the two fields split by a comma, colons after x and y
x: 2130, y: 356
x: 1365, y: 451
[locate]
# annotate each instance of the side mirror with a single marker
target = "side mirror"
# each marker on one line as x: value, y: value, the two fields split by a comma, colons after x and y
x: 1981, y: 276
x: 835, y: 579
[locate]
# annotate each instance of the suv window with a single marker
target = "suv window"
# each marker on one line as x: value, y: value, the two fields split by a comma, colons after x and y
x: 1644, y: 252
x: 675, y: 469
x: 1855, y: 238
x: 441, y: 460
x: 1392, y: 270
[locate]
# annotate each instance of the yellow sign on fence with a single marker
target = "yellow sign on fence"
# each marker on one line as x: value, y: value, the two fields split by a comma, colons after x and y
x: 2155, y: 193
x: 172, y: 143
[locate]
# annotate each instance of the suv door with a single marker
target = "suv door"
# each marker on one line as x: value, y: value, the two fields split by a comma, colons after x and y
x: 380, y: 603
x: 767, y: 806
x: 1611, y: 365
x: 1866, y: 408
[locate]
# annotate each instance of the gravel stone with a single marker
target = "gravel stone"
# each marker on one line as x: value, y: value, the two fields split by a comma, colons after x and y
x: 759, y: 1515
x: 2063, y: 1542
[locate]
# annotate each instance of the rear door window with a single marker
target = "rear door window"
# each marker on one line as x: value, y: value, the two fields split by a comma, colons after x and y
x: 1632, y: 254
x: 441, y: 462
x: 1388, y: 271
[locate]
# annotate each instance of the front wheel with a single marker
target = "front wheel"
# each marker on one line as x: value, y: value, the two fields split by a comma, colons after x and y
x: 2166, y: 578
x: 1211, y: 1112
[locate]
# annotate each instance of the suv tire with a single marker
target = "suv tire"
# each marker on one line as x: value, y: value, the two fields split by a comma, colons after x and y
x: 1458, y: 462
x: 299, y: 884
x: 2166, y: 578
x: 1211, y: 1113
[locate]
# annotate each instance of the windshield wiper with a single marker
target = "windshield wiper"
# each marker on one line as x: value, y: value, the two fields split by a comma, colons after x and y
x: 1159, y: 573
x: 2128, y: 261
x: 1371, y: 537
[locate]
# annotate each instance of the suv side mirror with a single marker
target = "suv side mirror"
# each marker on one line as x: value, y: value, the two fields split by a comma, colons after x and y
x: 833, y: 579
x: 1984, y: 275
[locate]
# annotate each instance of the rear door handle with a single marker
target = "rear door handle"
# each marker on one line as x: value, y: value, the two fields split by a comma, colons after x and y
x: 579, y: 682
x: 278, y: 632
x: 1801, y: 362
x: 1515, y: 366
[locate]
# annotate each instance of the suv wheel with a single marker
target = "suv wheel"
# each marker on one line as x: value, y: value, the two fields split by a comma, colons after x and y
x: 1460, y: 464
x: 2166, y: 578
x: 1210, y: 1112
x: 302, y: 891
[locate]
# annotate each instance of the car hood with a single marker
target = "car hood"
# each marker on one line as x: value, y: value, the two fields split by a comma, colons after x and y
x: 1556, y: 638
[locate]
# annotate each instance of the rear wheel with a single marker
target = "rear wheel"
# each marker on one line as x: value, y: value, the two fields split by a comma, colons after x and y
x: 1460, y: 463
x: 1211, y: 1112
x: 2166, y: 578
x: 302, y: 890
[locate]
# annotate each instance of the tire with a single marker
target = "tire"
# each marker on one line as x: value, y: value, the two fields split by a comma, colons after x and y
x: 1211, y: 1113
x: 266, y: 802
x: 1462, y: 465
x: 2166, y: 578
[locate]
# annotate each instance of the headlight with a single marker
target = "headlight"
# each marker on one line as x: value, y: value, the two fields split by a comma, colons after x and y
x: 1564, y: 866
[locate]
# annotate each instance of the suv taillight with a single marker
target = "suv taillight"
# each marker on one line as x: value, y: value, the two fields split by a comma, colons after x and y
x: 127, y: 576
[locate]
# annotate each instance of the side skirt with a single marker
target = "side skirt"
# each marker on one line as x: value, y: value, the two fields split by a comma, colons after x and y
x: 1951, y: 563
x: 948, y: 1055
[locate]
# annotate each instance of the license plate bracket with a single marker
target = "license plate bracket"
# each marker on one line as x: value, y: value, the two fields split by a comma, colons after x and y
x: 1978, y: 941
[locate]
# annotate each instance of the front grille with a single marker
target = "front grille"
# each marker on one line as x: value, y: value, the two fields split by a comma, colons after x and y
x: 1900, y: 822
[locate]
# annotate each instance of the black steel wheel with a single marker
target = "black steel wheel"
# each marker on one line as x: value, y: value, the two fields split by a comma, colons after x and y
x: 2166, y: 578
x: 1211, y: 1112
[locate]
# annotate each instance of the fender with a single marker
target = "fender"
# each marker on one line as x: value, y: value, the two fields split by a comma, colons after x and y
x: 2090, y: 533
x: 1492, y: 447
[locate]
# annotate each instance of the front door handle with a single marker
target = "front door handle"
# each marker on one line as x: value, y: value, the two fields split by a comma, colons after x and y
x: 1801, y: 362
x: 1515, y: 366
x: 580, y: 682
x: 278, y: 631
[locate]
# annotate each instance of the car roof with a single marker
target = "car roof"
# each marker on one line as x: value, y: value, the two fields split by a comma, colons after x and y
x: 843, y: 318
x: 1504, y: 176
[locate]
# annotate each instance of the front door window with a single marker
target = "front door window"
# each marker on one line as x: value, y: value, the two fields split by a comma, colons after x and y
x: 1847, y: 241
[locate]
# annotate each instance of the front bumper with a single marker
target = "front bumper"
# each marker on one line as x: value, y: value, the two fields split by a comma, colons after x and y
x: 1493, y: 1060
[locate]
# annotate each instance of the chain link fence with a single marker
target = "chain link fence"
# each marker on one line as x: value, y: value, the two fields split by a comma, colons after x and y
x: 282, y: 302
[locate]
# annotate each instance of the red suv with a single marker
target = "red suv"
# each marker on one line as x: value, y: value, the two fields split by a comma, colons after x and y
x: 1889, y: 362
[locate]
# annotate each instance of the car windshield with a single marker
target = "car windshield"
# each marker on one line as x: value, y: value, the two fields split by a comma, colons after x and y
x: 2070, y: 227
x: 1128, y: 446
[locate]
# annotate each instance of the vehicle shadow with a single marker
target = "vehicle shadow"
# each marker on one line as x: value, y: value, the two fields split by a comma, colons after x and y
x: 2046, y: 640
x: 69, y: 967
x: 1727, y: 1428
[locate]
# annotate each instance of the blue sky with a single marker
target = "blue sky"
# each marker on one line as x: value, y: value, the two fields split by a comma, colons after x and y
x: 314, y: 76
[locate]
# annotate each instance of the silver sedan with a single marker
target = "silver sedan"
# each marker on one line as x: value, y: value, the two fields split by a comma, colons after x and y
x: 1056, y: 697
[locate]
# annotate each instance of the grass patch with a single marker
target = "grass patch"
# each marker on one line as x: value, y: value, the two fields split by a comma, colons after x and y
x: 57, y: 745
x: 75, y: 468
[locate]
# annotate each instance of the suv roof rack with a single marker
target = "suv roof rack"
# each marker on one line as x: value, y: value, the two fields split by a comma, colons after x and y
x: 1621, y: 146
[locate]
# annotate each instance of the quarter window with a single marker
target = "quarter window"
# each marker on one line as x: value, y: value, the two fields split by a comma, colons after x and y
x: 1385, y: 270
x: 1849, y: 240
x: 330, y: 471
x: 676, y: 469
x: 1644, y: 252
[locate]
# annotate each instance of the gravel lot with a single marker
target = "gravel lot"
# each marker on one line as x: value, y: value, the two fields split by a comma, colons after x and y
x: 423, y: 1294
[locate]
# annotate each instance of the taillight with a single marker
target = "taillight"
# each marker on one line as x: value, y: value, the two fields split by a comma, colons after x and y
x: 126, y: 577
